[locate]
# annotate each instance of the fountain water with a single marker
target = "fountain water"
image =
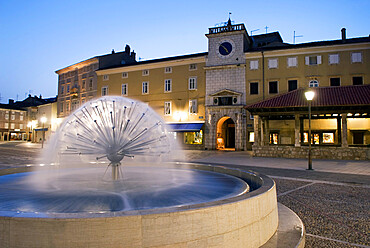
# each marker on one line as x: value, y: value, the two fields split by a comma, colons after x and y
x: 165, y: 205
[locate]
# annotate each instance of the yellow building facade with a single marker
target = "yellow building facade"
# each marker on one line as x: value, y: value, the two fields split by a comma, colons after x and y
x: 203, y: 96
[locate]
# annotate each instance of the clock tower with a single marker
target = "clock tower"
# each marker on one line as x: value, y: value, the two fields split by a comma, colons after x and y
x: 226, y: 86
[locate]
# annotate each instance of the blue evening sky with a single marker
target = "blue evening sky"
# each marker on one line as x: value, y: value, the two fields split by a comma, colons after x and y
x: 39, y: 37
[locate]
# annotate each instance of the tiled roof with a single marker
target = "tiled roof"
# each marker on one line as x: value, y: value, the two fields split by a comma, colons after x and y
x: 354, y: 95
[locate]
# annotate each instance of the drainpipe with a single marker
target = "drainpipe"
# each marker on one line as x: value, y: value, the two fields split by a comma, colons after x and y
x: 263, y: 75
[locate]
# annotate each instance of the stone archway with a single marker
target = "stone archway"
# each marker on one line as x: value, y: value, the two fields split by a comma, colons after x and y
x: 225, y: 133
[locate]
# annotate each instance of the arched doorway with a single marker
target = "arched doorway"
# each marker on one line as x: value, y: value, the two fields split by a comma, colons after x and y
x: 225, y: 134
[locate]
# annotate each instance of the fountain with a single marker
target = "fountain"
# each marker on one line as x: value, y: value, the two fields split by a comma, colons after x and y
x: 147, y: 201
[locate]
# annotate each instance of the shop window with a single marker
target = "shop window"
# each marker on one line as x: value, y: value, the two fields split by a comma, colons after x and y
x: 315, y: 139
x: 358, y: 138
x: 193, y: 138
x: 251, y: 136
x: 274, y: 138
x: 328, y: 138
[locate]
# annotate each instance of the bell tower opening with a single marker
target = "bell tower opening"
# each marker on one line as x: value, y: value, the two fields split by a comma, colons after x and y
x: 225, y: 134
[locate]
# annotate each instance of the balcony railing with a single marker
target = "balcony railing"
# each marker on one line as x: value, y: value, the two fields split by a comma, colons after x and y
x: 228, y: 28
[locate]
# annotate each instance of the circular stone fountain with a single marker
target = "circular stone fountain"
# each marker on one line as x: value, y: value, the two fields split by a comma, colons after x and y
x: 75, y: 202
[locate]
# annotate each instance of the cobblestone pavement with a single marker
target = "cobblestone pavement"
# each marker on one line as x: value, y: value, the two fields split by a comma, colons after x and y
x: 334, y: 207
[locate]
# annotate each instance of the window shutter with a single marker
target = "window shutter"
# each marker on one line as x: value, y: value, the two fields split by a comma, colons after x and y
x: 319, y: 60
x: 307, y: 59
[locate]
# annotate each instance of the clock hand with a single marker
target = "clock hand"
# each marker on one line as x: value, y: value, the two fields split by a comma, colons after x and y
x: 224, y: 48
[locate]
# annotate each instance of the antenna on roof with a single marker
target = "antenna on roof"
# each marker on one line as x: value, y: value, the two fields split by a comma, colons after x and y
x: 266, y: 29
x: 254, y: 31
x: 296, y: 36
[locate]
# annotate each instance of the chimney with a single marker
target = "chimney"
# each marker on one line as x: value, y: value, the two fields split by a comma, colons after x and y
x: 11, y: 101
x: 113, y: 52
x: 133, y: 55
x: 343, y: 34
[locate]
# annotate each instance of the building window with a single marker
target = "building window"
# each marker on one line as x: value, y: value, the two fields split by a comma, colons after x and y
x: 167, y: 85
x: 358, y: 137
x: 274, y: 138
x: 83, y: 84
x: 21, y: 117
x: 168, y: 70
x: 62, y: 90
x: 105, y: 77
x: 251, y: 136
x: 292, y: 62
x: 7, y: 116
x: 90, y: 84
x: 193, y: 138
x: 313, y: 83
x: 61, y: 107
x: 124, y: 75
x: 12, y: 117
x: 273, y: 87
x: 145, y: 72
x: 74, y: 105
x: 335, y: 81
x: 292, y: 85
x: 124, y: 90
x: 313, y: 60
x: 145, y: 88
x: 333, y: 59
x: 357, y: 81
x: 12, y: 125
x: 167, y: 108
x: 193, y: 106
x: 83, y: 100
x: 104, y: 90
x: 356, y: 57
x: 273, y: 63
x: 68, y: 88
x: 192, y: 83
x: 21, y: 126
x: 253, y: 88
x: 192, y: 67
x: 328, y: 138
x: 6, y: 125
x: 253, y: 65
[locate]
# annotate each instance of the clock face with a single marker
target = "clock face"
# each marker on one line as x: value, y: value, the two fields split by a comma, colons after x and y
x: 225, y: 48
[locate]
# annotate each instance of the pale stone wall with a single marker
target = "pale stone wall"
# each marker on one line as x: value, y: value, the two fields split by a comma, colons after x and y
x: 347, y: 153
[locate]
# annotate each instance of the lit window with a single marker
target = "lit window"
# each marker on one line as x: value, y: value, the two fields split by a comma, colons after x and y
x: 105, y: 77
x: 124, y: 75
x: 292, y: 62
x: 272, y: 63
x: 356, y: 57
x: 192, y: 67
x: 251, y: 136
x: 104, y: 90
x: 313, y: 60
x: 167, y: 85
x: 167, y: 108
x: 145, y: 72
x: 13, y: 117
x: 333, y: 59
x: 6, y: 125
x: 274, y: 138
x: 7, y: 116
x: 328, y: 138
x: 21, y: 117
x: 145, y: 88
x: 313, y: 83
x: 21, y: 126
x: 253, y: 64
x: 192, y: 83
x: 193, y: 108
x: 193, y: 138
x: 12, y: 125
x: 124, y: 90
x: 168, y: 70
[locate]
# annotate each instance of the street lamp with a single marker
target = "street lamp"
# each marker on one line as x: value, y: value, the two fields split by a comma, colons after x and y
x: 43, y: 120
x: 309, y: 96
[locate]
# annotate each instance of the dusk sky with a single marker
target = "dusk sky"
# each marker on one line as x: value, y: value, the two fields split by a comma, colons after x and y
x: 39, y: 37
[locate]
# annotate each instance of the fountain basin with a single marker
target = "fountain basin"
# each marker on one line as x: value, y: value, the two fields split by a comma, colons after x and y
x: 248, y: 219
